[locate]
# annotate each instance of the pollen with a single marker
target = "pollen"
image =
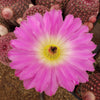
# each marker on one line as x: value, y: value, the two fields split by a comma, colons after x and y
x: 51, y: 52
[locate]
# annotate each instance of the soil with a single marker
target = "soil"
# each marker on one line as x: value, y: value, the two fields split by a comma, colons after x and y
x: 11, y: 88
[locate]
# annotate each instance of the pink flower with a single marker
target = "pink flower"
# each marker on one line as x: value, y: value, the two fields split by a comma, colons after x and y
x: 50, y: 52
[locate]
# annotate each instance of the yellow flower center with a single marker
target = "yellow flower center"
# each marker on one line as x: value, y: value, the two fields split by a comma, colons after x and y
x: 51, y: 52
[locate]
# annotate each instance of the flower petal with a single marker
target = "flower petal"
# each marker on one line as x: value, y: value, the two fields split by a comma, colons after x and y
x: 53, y: 85
x: 67, y: 22
x: 64, y: 80
x: 52, y: 21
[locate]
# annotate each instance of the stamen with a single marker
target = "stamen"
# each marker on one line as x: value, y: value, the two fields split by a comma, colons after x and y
x: 53, y: 50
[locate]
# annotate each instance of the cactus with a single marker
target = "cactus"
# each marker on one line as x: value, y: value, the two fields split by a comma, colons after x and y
x: 11, y: 10
x: 50, y: 3
x: 34, y: 9
x: 93, y: 86
x: 5, y: 47
x: 82, y: 8
x: 4, y: 27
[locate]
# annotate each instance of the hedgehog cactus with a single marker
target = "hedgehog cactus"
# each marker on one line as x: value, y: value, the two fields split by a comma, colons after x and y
x: 50, y: 3
x: 4, y: 27
x: 11, y: 10
x: 93, y: 86
x: 3, y: 30
x: 5, y: 47
x: 82, y: 8
x: 34, y: 9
